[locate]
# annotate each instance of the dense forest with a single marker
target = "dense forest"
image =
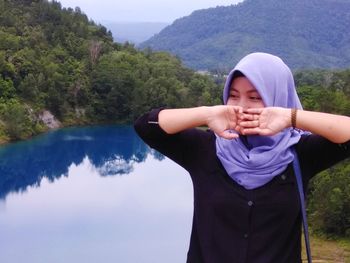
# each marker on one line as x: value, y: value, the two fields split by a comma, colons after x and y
x: 56, y: 59
x: 329, y: 192
x: 306, y: 34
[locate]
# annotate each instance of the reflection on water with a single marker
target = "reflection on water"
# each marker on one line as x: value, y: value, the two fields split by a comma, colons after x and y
x: 114, y: 149
x: 61, y: 200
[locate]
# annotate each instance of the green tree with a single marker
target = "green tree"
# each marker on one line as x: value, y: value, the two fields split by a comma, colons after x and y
x: 329, y: 205
x: 16, y: 118
x: 7, y: 91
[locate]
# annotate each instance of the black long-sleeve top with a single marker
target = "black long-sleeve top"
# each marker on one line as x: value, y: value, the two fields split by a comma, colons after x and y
x: 230, y: 223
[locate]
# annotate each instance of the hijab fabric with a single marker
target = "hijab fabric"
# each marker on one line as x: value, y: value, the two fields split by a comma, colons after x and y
x: 254, y: 160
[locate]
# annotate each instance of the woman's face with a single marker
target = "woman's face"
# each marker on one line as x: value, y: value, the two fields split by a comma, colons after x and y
x: 243, y: 93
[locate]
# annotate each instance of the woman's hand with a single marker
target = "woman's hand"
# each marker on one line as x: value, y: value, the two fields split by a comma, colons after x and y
x: 224, y: 119
x: 265, y: 121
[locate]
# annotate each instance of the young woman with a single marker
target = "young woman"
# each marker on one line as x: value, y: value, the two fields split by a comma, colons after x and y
x: 246, y: 202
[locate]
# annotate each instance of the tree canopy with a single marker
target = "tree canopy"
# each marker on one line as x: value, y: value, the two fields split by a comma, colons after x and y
x: 54, y: 58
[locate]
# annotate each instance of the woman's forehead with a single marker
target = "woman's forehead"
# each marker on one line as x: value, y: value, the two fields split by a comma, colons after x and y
x: 242, y: 84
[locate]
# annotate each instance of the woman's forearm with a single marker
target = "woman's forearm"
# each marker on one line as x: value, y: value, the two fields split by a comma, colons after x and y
x: 176, y: 120
x: 335, y: 128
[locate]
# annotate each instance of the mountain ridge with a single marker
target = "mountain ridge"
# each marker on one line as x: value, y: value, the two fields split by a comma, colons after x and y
x: 306, y: 34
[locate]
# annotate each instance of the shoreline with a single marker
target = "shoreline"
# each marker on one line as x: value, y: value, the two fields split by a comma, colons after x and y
x: 6, y: 140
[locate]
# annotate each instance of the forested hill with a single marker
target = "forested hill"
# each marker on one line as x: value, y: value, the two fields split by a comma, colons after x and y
x: 305, y: 33
x: 56, y: 59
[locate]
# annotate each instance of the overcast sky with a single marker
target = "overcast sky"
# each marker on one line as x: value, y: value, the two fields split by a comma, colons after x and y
x: 141, y: 10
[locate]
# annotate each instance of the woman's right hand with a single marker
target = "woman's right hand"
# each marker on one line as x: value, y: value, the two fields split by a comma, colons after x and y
x: 225, y: 119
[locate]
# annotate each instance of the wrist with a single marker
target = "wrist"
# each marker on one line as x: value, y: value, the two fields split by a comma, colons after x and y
x: 287, y: 117
x: 215, y: 113
x: 207, y: 114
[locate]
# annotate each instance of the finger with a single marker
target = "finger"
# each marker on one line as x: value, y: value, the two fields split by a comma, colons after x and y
x: 228, y: 135
x: 251, y: 131
x: 235, y: 109
x: 238, y: 112
x: 254, y: 110
x: 235, y: 112
x: 249, y: 124
x: 238, y: 129
x: 249, y: 117
x: 238, y: 109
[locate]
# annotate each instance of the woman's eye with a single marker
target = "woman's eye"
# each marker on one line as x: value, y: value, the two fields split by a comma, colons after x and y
x: 255, y: 98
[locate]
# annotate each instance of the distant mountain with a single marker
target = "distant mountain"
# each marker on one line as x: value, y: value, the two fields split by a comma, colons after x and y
x: 136, y: 32
x: 305, y: 33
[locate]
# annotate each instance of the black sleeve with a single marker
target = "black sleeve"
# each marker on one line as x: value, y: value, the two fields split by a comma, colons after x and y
x: 179, y: 147
x: 317, y: 154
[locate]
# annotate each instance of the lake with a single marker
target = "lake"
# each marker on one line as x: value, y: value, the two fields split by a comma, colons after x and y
x: 92, y: 194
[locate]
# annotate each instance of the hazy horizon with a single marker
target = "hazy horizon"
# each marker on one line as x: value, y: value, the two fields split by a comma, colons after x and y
x: 164, y: 11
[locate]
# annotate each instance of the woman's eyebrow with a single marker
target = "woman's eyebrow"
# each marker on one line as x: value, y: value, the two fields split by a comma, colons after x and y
x: 253, y: 90
x: 248, y: 91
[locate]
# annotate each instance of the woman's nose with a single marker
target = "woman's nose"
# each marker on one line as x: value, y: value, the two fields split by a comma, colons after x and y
x: 242, y: 103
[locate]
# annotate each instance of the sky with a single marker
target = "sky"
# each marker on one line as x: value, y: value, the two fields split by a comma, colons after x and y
x: 141, y: 10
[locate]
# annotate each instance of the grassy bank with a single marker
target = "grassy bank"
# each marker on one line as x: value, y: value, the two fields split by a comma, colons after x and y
x: 329, y: 250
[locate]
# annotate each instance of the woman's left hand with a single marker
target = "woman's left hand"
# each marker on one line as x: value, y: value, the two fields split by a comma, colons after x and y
x: 264, y: 121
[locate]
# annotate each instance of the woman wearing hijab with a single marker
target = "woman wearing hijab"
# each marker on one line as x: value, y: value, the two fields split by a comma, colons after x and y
x: 246, y: 203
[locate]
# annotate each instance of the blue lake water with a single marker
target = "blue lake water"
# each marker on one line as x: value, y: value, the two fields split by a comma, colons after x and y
x: 95, y: 194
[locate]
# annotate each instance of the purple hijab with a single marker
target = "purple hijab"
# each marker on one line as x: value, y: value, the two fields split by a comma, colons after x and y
x: 254, y: 160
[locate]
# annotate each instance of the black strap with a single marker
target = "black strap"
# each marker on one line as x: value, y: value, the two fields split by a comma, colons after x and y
x: 297, y: 172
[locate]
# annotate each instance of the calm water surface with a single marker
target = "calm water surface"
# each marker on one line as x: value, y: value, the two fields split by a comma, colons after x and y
x: 95, y: 194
